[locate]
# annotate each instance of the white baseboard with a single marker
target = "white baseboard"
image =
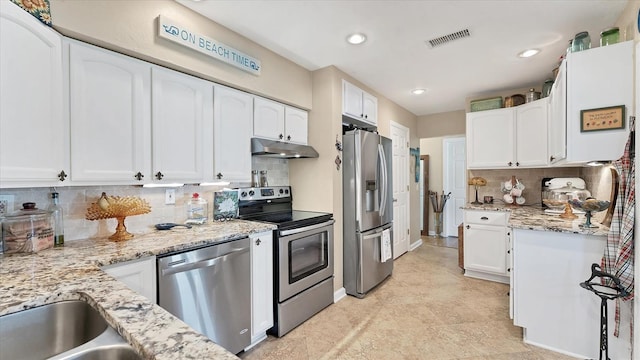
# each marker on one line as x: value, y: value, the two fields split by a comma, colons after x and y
x: 338, y: 295
x: 416, y: 244
x: 554, y: 349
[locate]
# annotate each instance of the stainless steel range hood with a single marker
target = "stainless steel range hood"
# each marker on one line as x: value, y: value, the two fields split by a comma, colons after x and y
x: 281, y: 150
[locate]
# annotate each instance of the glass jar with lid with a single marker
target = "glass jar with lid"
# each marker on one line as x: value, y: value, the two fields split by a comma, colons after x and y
x: 582, y: 41
x: 28, y: 230
x: 609, y: 36
x: 546, y: 87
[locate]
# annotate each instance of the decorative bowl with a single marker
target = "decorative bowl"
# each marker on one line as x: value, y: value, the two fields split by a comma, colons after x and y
x: 555, y: 204
x: 594, y: 205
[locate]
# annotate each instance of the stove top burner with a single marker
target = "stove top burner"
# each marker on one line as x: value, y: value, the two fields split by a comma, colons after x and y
x: 291, y: 219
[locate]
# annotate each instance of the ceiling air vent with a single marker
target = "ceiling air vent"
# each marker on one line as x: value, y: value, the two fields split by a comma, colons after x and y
x: 447, y: 38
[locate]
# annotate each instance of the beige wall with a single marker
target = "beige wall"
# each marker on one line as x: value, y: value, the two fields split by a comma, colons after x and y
x: 442, y: 124
x: 130, y: 27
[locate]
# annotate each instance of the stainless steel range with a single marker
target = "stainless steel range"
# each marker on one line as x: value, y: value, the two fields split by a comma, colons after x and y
x: 303, y: 254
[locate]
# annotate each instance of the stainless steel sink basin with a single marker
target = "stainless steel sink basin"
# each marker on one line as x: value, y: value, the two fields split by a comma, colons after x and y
x: 64, y: 330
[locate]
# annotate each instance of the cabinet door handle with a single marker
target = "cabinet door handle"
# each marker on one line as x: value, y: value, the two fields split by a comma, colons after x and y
x: 219, y: 176
x: 62, y: 175
x: 510, y: 163
x: 258, y: 242
x: 551, y: 158
x: 159, y: 175
x: 366, y: 116
x: 517, y: 163
x: 509, y: 270
x: 288, y: 137
x: 508, y: 251
x: 468, y: 227
x: 138, y: 176
x: 281, y: 136
x: 484, y: 218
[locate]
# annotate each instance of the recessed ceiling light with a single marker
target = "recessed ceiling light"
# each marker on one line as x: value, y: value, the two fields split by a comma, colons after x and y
x: 356, y: 38
x: 528, y: 53
x: 418, y: 91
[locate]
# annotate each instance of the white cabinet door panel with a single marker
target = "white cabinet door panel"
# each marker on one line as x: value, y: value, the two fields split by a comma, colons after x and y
x: 261, y: 284
x: 531, y: 134
x: 296, y: 123
x: 490, y: 139
x: 232, y: 119
x: 558, y: 117
x: 370, y: 108
x: 485, y: 248
x: 268, y: 119
x: 180, y: 106
x: 139, y: 275
x: 33, y: 131
x: 352, y: 100
x: 110, y: 116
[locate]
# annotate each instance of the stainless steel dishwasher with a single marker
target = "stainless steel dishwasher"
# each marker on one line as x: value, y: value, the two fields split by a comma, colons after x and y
x: 209, y: 288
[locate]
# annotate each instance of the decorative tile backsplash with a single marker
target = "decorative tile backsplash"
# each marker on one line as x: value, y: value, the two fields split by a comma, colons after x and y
x: 76, y: 200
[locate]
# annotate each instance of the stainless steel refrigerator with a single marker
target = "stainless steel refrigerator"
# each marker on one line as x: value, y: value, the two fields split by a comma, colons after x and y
x: 368, y: 211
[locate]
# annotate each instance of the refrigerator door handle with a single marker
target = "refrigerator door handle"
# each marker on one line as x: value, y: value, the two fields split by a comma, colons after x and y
x: 383, y: 173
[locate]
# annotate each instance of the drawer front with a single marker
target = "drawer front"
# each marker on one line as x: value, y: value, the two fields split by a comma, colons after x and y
x: 485, y: 217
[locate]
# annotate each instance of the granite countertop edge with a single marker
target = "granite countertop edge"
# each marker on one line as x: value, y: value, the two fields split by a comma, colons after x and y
x: 73, y: 273
x: 534, y: 218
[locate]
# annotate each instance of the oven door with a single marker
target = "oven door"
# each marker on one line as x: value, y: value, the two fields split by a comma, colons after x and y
x: 305, y: 258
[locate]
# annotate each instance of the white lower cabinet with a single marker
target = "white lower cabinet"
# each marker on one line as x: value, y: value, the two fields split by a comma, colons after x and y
x: 486, y: 245
x: 261, y: 286
x: 139, y: 275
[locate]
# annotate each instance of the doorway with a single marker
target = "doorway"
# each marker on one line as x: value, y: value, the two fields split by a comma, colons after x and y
x: 424, y: 195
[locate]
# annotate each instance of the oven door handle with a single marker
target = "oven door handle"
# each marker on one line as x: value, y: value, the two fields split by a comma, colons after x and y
x: 306, y: 228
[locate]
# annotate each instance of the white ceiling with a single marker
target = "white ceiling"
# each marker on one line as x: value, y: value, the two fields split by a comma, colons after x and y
x: 395, y: 59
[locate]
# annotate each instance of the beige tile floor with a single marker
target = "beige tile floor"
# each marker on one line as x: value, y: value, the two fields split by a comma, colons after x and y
x: 426, y: 310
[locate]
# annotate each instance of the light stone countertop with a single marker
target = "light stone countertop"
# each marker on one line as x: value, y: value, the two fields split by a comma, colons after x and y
x: 73, y: 273
x: 534, y: 218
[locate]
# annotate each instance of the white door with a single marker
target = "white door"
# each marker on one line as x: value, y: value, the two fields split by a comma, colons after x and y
x: 400, y: 142
x: 455, y: 181
x: 180, y: 106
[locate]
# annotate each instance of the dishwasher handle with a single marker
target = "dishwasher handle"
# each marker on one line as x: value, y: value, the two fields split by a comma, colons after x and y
x: 180, y: 266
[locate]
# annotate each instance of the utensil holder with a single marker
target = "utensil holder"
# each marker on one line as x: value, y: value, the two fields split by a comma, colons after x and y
x: 437, y: 224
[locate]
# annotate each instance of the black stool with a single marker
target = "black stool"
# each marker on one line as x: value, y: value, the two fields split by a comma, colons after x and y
x: 608, y: 291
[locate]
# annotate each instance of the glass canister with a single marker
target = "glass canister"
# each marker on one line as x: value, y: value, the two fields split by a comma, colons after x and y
x: 197, y: 210
x: 532, y: 95
x: 609, y: 36
x: 546, y: 87
x: 582, y: 41
x: 263, y: 178
x: 28, y: 230
x: 255, y: 180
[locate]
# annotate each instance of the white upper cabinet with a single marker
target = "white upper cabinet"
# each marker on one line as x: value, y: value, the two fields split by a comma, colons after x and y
x: 598, y: 78
x: 558, y: 117
x: 276, y: 121
x: 232, y: 119
x: 509, y: 137
x: 490, y: 139
x: 268, y: 119
x: 180, y: 106
x: 358, y: 104
x: 110, y: 117
x: 33, y: 130
x: 296, y: 125
x: 531, y: 134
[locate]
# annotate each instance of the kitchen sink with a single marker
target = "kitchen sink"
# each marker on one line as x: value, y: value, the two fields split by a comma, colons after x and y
x: 63, y: 330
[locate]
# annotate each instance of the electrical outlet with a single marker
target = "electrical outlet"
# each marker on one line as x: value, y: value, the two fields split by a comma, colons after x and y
x: 6, y: 204
x: 170, y: 197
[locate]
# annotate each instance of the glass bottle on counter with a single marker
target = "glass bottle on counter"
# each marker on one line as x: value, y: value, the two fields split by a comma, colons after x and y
x: 58, y: 220
x: 609, y: 36
x: 582, y: 41
x: 197, y: 210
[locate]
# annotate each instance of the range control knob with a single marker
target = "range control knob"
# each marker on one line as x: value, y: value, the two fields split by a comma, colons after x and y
x: 251, y: 192
x: 286, y: 191
x: 243, y: 194
x: 281, y: 191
